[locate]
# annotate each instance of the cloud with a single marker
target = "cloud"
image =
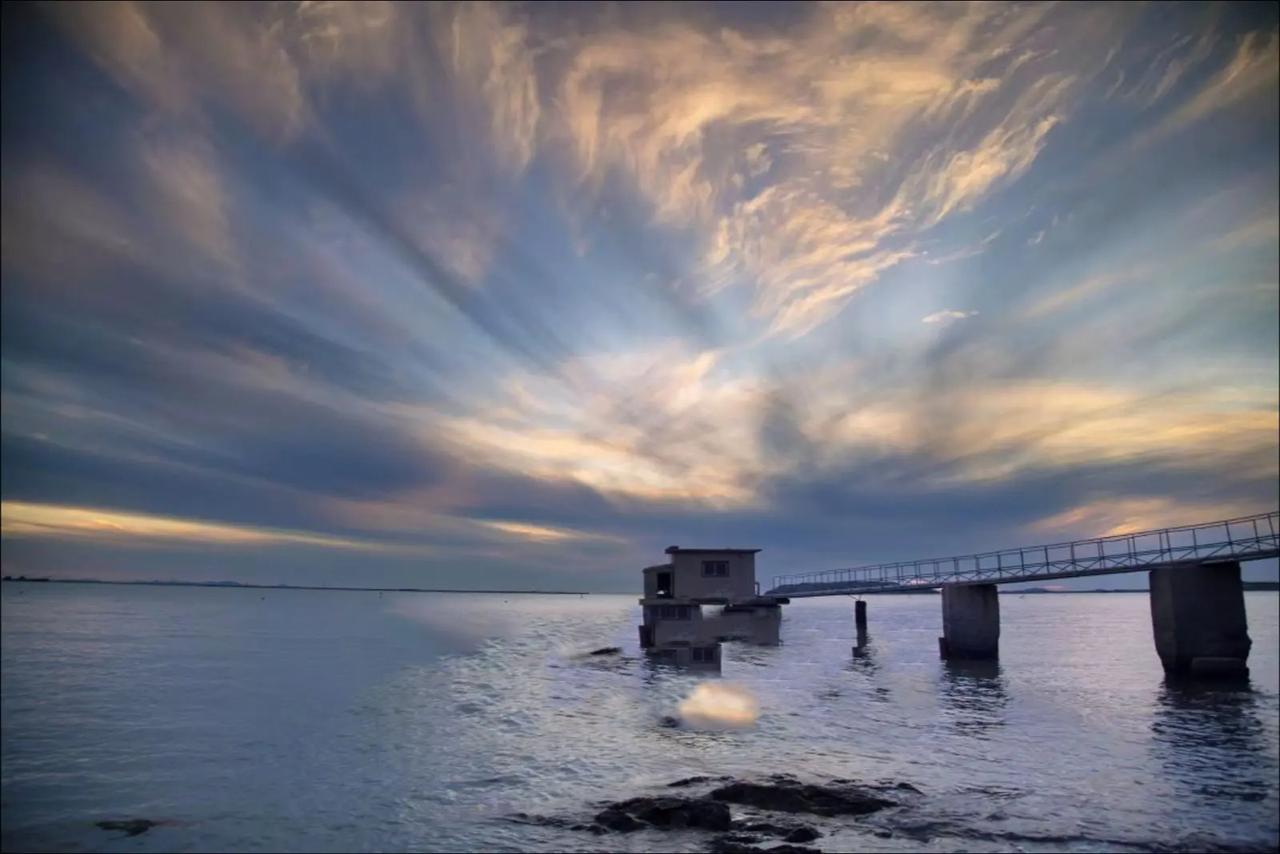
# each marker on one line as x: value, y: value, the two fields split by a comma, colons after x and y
x: 22, y: 519
x: 191, y: 194
x: 858, y: 165
x: 947, y: 315
x: 1251, y: 72
x: 528, y: 532
x: 1111, y: 517
x: 175, y: 59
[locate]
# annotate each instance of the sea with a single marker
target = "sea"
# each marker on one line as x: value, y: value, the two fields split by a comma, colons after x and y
x: 308, y: 720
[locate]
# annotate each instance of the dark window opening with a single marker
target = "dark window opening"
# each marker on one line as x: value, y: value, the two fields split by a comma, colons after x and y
x: 715, y: 569
x: 672, y: 612
x: 664, y: 585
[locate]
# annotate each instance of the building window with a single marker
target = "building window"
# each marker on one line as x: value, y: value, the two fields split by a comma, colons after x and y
x: 715, y: 569
x: 704, y: 654
x: 672, y: 612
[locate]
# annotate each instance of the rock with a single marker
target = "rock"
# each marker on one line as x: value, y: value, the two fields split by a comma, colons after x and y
x: 767, y: 827
x: 128, y: 826
x: 745, y: 838
x: 725, y: 845
x: 730, y: 845
x: 666, y: 812
x: 689, y: 781
x: 907, y: 787
x: 789, y: 796
x: 617, y: 820
x: 544, y: 821
x: 669, y: 721
x: 802, y: 834
x: 606, y: 650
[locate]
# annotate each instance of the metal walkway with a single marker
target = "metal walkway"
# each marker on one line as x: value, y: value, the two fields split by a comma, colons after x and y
x: 1245, y: 538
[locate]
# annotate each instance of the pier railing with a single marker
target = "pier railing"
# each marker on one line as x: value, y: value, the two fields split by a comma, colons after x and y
x: 1243, y: 538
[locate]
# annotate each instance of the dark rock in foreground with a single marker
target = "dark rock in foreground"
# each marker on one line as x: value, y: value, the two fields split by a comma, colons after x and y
x: 606, y: 650
x: 689, y: 781
x: 709, y: 811
x: 786, y: 795
x: 670, y: 812
x: 617, y: 820
x: 128, y: 826
x: 728, y: 845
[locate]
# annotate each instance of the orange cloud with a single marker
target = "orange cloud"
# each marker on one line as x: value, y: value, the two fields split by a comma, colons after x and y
x: 52, y: 521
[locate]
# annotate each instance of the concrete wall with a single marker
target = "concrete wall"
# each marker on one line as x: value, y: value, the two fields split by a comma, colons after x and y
x: 674, y: 631
x: 755, y: 625
x: 970, y: 621
x: 1198, y: 618
x: 690, y: 583
x: 683, y: 657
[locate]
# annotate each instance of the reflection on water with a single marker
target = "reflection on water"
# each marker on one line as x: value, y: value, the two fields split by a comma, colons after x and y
x: 973, y: 695
x: 1210, y: 738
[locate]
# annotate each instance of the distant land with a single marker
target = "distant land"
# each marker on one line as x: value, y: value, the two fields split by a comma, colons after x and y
x: 157, y: 583
x: 1247, y: 585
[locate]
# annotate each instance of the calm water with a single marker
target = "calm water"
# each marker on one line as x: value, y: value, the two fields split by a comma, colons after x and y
x: 312, y: 720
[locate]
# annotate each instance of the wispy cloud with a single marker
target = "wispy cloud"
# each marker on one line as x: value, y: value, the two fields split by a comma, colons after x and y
x: 947, y: 315
x: 23, y: 519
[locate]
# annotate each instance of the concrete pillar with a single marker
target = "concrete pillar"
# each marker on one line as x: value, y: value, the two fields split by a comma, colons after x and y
x: 1197, y: 616
x: 970, y: 621
x: 860, y: 616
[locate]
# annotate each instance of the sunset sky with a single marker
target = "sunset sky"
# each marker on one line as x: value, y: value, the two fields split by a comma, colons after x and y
x: 501, y: 295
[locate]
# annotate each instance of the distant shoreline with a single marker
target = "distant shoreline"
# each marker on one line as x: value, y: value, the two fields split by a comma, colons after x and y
x: 236, y: 585
x: 1247, y: 585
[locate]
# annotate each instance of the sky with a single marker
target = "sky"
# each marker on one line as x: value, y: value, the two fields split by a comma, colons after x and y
x: 516, y: 296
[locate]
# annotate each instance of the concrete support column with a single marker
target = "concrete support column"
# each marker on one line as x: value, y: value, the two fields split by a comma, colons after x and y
x: 860, y: 623
x: 970, y: 621
x: 1197, y: 616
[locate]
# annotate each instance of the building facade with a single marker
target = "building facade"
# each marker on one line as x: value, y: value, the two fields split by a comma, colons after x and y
x: 675, y: 629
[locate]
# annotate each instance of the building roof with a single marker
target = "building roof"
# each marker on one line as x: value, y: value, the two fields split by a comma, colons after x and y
x: 676, y: 549
x: 657, y: 568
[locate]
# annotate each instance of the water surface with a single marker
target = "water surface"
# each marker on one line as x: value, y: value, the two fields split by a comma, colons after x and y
x: 314, y: 720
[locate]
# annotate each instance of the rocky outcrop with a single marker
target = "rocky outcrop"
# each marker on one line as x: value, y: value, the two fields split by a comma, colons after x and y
x: 709, y: 810
x: 128, y: 826
x: 690, y: 781
x: 728, y: 845
x: 668, y: 812
x: 783, y: 794
x: 606, y: 650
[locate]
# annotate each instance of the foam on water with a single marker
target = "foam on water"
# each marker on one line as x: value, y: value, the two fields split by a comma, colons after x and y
x: 719, y: 705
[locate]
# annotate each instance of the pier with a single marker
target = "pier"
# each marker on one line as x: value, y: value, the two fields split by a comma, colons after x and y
x: 1197, y: 598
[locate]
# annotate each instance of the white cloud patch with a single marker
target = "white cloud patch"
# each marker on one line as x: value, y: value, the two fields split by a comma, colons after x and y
x: 947, y: 315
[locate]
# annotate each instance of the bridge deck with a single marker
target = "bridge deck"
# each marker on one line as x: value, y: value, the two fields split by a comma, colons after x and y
x: 1245, y: 538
